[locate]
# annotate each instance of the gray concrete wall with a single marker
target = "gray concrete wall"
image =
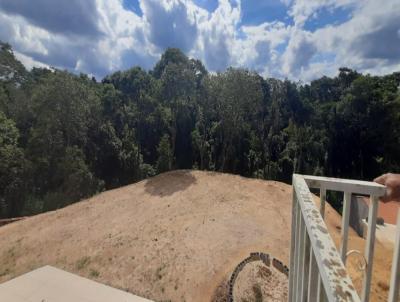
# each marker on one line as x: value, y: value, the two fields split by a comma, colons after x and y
x: 358, y: 212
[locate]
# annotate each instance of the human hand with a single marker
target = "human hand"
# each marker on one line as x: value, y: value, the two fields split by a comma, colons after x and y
x: 392, y: 183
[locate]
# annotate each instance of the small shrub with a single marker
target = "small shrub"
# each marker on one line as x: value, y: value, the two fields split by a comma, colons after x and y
x: 82, y: 263
x: 11, y: 252
x: 4, y: 272
x: 94, y: 273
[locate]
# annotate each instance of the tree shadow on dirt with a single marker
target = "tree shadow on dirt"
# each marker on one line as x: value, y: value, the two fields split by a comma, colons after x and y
x: 169, y: 183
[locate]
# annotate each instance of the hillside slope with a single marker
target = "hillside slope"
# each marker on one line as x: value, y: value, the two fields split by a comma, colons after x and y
x: 175, y: 237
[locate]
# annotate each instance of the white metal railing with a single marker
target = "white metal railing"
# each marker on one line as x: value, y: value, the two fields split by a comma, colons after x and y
x: 317, y: 268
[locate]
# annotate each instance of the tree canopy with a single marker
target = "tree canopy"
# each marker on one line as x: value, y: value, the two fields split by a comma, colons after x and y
x: 64, y: 137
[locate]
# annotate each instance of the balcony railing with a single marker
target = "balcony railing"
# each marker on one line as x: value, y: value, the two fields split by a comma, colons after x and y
x: 317, y: 268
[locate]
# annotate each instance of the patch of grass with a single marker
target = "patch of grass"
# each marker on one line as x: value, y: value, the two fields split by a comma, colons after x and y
x: 82, y: 262
x: 9, y: 257
x: 11, y: 252
x: 94, y: 273
x: 4, y: 272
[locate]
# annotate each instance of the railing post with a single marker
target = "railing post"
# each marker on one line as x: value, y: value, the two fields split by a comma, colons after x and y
x: 345, y: 225
x: 300, y: 257
x: 322, y: 202
x: 306, y: 268
x: 322, y: 198
x: 323, y: 297
x: 395, y: 275
x: 313, y: 279
x: 293, y: 244
x: 369, y: 247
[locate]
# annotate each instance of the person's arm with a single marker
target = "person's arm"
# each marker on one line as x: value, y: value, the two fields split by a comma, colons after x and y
x: 392, y: 183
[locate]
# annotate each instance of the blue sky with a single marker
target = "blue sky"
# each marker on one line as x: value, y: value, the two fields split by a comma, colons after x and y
x: 133, y: 5
x: 295, y: 39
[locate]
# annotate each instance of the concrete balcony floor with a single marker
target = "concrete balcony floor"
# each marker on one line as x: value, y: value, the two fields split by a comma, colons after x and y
x: 49, y: 284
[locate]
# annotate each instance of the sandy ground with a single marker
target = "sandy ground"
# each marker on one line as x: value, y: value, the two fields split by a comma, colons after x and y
x: 175, y: 237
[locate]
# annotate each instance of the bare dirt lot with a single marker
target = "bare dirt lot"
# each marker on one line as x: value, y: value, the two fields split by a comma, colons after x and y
x: 175, y: 237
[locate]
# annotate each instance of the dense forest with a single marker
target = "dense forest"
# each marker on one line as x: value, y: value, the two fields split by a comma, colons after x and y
x: 64, y: 137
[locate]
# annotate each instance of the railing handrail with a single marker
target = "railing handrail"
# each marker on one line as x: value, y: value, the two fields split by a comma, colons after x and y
x: 345, y: 185
x: 335, y: 280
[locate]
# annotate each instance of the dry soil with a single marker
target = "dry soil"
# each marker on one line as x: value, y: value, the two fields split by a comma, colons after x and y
x: 176, y: 236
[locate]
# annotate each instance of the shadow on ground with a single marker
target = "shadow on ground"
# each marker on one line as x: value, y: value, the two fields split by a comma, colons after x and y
x: 169, y: 183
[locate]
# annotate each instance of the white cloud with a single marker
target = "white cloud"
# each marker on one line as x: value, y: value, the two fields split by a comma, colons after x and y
x: 28, y: 62
x: 169, y: 24
x: 74, y: 17
x: 257, y: 50
x: 122, y: 30
x: 298, y: 53
x: 217, y: 35
x: 367, y: 42
x: 115, y: 38
x: 302, y: 10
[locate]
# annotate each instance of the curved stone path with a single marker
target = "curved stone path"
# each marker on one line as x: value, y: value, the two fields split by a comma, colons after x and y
x: 256, y: 256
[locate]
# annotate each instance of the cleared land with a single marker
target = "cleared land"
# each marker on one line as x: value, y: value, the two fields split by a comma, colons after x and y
x: 177, y: 236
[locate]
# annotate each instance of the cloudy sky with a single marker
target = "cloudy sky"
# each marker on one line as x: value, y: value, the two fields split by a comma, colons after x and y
x: 296, y: 39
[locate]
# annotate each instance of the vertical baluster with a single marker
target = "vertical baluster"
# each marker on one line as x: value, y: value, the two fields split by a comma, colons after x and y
x: 300, y: 267
x: 296, y: 252
x: 395, y: 276
x: 306, y: 267
x: 369, y: 247
x: 293, y: 244
x: 323, y: 297
x: 322, y: 198
x: 345, y: 225
x: 313, y: 278
x: 320, y: 288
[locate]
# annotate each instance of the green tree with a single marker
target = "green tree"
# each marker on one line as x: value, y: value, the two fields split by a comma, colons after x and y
x: 164, y: 162
x: 12, y: 169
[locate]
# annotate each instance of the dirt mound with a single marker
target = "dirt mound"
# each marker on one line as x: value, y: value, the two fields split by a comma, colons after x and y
x: 173, y: 237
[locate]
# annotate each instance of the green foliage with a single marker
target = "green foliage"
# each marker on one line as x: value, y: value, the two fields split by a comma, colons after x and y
x: 11, y: 70
x: 82, y: 262
x: 65, y: 137
x: 164, y: 161
x: 94, y: 273
x: 12, y: 169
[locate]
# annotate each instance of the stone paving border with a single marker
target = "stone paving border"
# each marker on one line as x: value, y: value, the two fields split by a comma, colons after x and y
x: 257, y: 256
